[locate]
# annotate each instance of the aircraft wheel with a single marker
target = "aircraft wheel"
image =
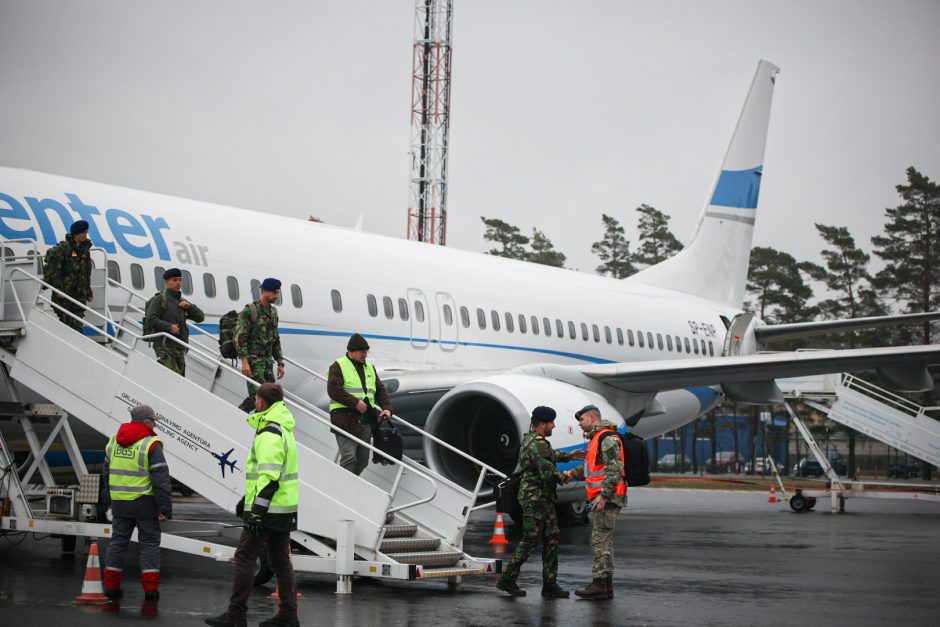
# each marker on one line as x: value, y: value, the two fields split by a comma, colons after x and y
x: 263, y: 572
x: 799, y: 504
x: 571, y: 514
x: 810, y: 503
x: 68, y: 544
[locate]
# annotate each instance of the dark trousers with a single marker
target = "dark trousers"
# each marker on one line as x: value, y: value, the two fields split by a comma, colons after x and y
x: 249, y: 547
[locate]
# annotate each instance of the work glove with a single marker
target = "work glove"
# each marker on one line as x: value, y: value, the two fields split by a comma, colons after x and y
x: 253, y: 523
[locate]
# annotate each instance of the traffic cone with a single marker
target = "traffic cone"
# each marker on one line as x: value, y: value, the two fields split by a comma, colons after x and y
x: 92, y: 589
x: 499, y: 532
x: 773, y: 495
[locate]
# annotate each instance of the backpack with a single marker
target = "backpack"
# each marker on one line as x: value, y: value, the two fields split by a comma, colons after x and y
x: 227, y: 324
x: 148, y: 329
x: 636, y: 459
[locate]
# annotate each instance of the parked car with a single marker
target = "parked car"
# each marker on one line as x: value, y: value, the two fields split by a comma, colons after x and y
x: 901, y: 470
x: 670, y: 462
x: 763, y: 465
x: 809, y: 467
x: 726, y: 461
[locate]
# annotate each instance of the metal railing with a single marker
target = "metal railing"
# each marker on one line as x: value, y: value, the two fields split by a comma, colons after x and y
x: 888, y: 398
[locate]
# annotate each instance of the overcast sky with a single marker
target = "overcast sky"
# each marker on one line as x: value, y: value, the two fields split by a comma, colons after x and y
x: 561, y: 110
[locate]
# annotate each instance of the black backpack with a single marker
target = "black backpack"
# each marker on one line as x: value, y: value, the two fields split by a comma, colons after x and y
x: 227, y: 325
x: 636, y: 470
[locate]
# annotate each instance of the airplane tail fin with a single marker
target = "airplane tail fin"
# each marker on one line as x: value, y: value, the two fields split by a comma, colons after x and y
x: 714, y: 264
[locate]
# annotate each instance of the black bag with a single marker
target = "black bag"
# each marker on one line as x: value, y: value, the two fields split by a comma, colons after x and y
x: 227, y: 325
x: 636, y: 471
x: 387, y: 439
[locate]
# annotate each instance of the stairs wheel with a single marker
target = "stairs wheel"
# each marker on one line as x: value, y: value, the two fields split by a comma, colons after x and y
x: 68, y: 544
x: 263, y: 572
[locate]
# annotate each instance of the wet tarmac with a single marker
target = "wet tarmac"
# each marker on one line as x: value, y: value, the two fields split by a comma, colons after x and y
x: 683, y: 558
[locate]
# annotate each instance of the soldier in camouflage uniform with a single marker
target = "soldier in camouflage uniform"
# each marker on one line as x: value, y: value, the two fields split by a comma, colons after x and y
x: 257, y: 341
x: 537, y: 459
x: 607, y: 493
x: 67, y: 267
x: 168, y: 312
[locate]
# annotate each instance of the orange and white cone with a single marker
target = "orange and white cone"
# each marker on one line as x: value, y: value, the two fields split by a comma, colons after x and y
x: 773, y: 495
x: 92, y: 589
x: 499, y: 532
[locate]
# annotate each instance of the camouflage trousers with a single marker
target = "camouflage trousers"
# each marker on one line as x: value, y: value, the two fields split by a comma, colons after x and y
x: 602, y: 541
x: 70, y: 307
x: 262, y: 371
x: 537, y: 526
x: 172, y: 358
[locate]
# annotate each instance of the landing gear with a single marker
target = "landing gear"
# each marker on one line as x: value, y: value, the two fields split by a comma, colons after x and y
x: 571, y: 514
x: 263, y: 572
x: 800, y: 503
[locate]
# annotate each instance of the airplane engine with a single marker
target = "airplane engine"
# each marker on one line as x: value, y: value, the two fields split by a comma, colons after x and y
x: 487, y: 418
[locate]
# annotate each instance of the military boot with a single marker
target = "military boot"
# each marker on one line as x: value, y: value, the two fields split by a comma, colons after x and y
x: 597, y: 590
x: 610, y: 586
x: 509, y: 587
x: 554, y: 591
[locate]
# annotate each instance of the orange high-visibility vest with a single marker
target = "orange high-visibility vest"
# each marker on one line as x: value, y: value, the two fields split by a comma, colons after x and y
x: 594, y: 477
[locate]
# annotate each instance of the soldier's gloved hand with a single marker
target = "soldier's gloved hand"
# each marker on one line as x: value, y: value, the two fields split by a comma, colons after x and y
x: 253, y: 523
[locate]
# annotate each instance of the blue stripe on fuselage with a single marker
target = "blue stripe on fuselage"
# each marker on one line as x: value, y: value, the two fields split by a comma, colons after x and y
x: 738, y: 188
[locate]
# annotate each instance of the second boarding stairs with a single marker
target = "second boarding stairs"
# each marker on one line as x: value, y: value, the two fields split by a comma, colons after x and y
x: 403, y: 520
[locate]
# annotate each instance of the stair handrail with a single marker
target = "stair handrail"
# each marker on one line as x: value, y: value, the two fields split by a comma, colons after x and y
x: 212, y: 359
x: 887, y: 397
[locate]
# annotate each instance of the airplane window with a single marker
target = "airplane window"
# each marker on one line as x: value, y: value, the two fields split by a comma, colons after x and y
x: 630, y: 336
x: 535, y: 325
x: 495, y: 318
x: 688, y: 348
x: 711, y: 349
x: 639, y: 339
x: 597, y: 333
x: 158, y: 277
x: 137, y: 276
x: 255, y: 289
x: 703, y: 346
x: 337, y: 301
x: 448, y: 315
x: 509, y: 324
x: 187, y: 286
x: 669, y: 342
x: 481, y: 318
x: 678, y: 344
x: 403, y: 308
x: 389, y: 307
x: 419, y: 311
x: 465, y: 317
x: 584, y: 332
x: 114, y: 271
x: 695, y: 346
x: 547, y: 326
x: 649, y: 339
x: 280, y: 298
x: 659, y: 340
x: 232, y: 287
x: 559, y: 328
x: 208, y: 284
x: 620, y: 336
x: 296, y: 298
x: 373, y: 306
x: 8, y: 253
x: 521, y: 323
x: 571, y: 332
x: 607, y: 335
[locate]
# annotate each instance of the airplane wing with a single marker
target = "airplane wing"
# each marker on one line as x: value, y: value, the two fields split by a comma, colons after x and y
x: 652, y: 376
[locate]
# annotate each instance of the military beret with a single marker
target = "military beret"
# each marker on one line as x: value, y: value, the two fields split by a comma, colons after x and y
x: 542, y: 414
x: 585, y: 410
x: 172, y: 273
x: 357, y: 343
x: 78, y: 227
x: 270, y: 285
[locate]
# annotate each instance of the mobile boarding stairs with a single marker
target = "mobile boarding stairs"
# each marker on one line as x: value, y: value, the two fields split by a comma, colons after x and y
x: 399, y: 521
x: 875, y: 412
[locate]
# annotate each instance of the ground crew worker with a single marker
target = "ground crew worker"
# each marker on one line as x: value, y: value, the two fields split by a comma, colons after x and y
x: 607, y: 494
x: 537, y: 459
x: 257, y: 341
x: 139, y: 492
x: 67, y: 267
x: 168, y: 312
x: 356, y: 391
x: 269, y: 510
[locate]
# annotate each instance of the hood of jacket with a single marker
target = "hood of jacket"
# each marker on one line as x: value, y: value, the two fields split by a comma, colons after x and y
x: 131, y: 432
x: 604, y: 425
x: 277, y: 412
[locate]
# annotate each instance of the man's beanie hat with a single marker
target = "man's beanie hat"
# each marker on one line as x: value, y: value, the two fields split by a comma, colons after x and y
x: 78, y: 227
x: 142, y: 413
x: 270, y: 285
x: 172, y: 273
x: 542, y: 414
x: 357, y: 343
x: 585, y: 410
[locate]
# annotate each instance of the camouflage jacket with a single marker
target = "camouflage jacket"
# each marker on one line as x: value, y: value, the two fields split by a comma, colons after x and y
x: 256, y: 332
x: 164, y: 312
x: 613, y: 469
x: 67, y: 267
x: 539, y: 475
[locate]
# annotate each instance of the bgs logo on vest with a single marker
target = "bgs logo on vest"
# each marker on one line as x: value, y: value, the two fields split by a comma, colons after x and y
x: 126, y: 453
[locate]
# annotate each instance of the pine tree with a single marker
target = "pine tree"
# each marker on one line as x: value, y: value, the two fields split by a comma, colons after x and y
x: 509, y: 238
x: 656, y: 240
x: 614, y: 250
x: 543, y: 251
x: 775, y: 278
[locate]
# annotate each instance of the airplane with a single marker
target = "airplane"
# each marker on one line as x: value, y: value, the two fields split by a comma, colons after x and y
x: 468, y: 344
x: 224, y: 461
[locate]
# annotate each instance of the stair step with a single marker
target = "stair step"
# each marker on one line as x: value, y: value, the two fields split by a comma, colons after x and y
x: 401, y: 545
x: 431, y: 573
x: 400, y: 531
x: 431, y: 559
